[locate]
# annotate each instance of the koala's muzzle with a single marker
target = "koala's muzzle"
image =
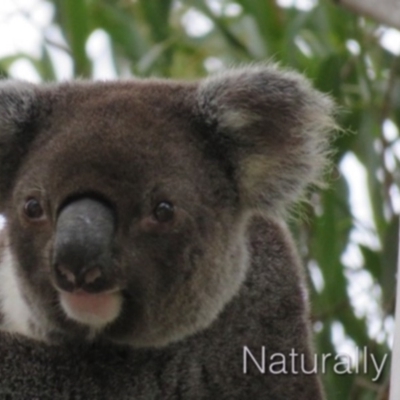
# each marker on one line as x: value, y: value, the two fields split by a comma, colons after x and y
x: 82, y: 253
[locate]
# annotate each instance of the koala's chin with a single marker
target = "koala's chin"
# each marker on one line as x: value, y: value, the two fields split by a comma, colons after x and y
x: 127, y: 203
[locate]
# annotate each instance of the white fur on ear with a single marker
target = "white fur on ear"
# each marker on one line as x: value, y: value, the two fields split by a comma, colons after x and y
x: 214, y: 92
x: 279, y: 126
x: 239, y: 97
x: 16, y: 102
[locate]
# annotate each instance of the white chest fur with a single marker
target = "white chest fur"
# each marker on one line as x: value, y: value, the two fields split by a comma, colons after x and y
x: 15, y: 311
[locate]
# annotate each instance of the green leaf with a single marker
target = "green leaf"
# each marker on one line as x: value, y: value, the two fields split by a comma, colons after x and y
x: 121, y: 27
x: 74, y: 19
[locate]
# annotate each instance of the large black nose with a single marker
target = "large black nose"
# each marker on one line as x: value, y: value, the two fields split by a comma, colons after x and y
x: 82, y: 252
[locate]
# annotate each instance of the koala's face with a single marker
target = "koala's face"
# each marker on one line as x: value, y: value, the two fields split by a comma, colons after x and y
x: 126, y: 202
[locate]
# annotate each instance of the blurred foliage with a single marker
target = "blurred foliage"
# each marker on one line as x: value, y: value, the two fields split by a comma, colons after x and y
x: 342, y: 54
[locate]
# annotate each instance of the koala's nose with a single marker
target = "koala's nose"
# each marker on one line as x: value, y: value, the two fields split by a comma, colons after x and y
x: 82, y: 252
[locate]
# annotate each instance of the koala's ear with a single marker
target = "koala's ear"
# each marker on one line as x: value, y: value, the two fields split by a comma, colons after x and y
x: 18, y: 111
x: 278, y: 129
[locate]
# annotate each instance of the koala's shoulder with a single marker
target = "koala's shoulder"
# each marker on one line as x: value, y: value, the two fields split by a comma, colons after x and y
x: 276, y: 272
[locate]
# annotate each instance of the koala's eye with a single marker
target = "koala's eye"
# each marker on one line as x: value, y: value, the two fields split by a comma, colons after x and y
x: 33, y: 209
x: 164, y: 212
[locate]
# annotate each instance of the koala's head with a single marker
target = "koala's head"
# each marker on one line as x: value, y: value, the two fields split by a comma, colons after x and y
x: 126, y: 202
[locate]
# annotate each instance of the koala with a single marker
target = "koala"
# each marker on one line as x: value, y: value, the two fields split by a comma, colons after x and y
x: 144, y: 228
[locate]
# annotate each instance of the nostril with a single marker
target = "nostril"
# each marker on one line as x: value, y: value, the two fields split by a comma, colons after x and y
x: 66, y: 274
x: 92, y: 275
x: 65, y: 278
x: 91, y: 279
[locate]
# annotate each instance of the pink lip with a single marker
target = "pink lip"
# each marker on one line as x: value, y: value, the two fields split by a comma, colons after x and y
x: 91, y: 309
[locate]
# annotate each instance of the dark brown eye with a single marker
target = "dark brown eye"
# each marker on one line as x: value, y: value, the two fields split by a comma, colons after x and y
x: 33, y: 209
x: 164, y: 212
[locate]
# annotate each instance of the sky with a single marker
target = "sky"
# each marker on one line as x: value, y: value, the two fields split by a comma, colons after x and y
x: 26, y: 24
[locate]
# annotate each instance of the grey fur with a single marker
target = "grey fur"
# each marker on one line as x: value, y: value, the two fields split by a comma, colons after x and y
x: 247, y: 103
x: 231, y: 153
x: 16, y: 102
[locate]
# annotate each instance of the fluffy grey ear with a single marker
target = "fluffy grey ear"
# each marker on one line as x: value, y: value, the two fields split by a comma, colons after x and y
x: 278, y: 127
x: 18, y: 109
x: 16, y: 101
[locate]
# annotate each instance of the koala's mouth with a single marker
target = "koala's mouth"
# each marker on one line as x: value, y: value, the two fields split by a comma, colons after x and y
x: 94, y: 310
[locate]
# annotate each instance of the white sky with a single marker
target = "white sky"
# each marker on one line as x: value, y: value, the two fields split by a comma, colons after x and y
x: 25, y: 24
